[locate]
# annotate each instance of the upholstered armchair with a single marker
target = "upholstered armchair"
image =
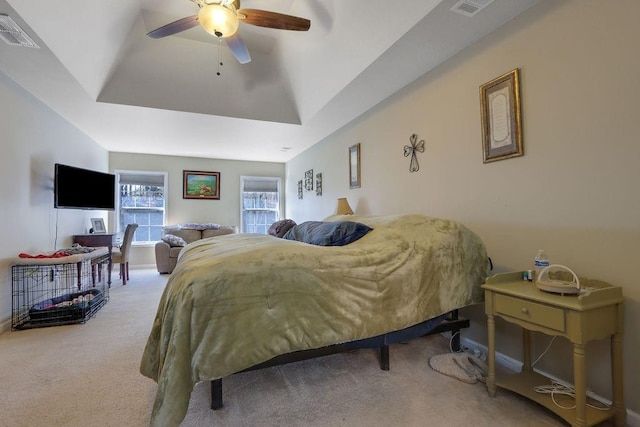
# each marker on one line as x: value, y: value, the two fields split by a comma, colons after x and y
x: 176, y: 237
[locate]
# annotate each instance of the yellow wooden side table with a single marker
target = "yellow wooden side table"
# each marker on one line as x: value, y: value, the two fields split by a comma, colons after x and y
x: 595, y: 313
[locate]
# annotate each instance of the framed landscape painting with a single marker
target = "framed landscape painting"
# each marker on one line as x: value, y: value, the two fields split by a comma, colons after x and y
x: 201, y: 185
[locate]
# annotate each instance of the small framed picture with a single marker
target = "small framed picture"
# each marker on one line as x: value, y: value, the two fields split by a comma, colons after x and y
x: 201, y: 185
x: 97, y: 224
x: 300, y: 189
x: 354, y: 166
x: 501, y: 117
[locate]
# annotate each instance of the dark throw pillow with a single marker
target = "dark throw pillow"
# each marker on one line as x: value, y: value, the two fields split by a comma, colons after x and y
x: 327, y: 233
x: 279, y: 228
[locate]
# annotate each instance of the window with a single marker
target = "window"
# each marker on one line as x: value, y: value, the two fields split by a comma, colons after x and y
x: 141, y: 200
x: 260, y: 199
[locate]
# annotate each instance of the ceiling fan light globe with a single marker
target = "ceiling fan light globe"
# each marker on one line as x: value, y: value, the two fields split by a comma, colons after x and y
x: 218, y: 20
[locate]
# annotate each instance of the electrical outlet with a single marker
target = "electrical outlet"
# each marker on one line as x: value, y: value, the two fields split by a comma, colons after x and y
x: 480, y: 355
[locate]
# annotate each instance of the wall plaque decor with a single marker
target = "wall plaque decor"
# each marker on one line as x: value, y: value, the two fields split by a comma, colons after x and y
x: 308, y: 180
x: 501, y: 117
x: 300, y: 189
x: 201, y: 185
x: 410, y: 150
x: 319, y: 184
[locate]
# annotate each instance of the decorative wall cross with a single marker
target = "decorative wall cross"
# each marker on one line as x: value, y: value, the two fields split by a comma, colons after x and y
x: 410, y: 150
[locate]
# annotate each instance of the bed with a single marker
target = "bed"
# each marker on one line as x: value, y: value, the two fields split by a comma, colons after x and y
x: 241, y: 300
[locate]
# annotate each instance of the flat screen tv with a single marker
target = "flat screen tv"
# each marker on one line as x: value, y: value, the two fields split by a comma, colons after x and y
x: 77, y: 188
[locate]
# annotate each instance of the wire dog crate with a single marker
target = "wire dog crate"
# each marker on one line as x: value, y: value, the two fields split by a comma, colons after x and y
x: 58, y: 291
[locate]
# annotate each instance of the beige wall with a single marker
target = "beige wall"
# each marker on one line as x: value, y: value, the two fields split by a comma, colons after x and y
x: 575, y: 191
x: 225, y: 211
x: 33, y: 139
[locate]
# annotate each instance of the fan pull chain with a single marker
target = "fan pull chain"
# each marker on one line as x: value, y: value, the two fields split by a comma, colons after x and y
x: 219, y: 54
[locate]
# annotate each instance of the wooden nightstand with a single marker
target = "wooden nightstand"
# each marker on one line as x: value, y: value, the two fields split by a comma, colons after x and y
x: 596, y: 313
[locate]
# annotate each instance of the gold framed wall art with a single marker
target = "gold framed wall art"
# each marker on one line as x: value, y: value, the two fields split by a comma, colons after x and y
x: 501, y: 117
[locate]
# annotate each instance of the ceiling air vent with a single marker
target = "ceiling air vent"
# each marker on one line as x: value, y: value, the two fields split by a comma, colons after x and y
x: 12, y: 34
x: 470, y: 7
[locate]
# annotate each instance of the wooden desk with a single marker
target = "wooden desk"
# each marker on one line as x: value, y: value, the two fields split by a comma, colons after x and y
x: 97, y: 240
x: 596, y: 313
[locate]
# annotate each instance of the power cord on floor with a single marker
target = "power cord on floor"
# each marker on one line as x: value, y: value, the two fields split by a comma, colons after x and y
x: 476, y: 353
x: 451, y: 343
x: 473, y: 366
x: 554, y: 389
x: 557, y: 388
x: 560, y: 389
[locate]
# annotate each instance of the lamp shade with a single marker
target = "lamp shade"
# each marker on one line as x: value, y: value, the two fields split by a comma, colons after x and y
x: 218, y: 20
x: 343, y: 207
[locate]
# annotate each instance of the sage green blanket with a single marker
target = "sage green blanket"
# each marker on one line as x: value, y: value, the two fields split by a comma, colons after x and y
x: 238, y: 300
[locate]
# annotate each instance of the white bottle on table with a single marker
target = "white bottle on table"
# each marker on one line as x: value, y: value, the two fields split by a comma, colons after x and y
x: 540, y: 262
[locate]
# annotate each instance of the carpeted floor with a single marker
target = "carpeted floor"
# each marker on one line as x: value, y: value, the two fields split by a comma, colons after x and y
x: 87, y: 375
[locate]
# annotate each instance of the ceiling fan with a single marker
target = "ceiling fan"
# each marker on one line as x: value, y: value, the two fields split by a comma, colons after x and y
x: 221, y: 18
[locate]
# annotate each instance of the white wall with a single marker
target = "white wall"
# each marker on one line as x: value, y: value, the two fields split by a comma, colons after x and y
x: 225, y: 211
x: 33, y: 139
x: 575, y: 191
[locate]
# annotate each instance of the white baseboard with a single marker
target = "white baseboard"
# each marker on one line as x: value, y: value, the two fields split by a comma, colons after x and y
x: 633, y: 418
x: 116, y: 267
x: 142, y: 266
x: 5, y: 326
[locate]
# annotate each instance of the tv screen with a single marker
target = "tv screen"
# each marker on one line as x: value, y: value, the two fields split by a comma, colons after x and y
x: 77, y: 188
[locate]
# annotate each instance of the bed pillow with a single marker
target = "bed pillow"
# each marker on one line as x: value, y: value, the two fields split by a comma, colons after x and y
x: 279, y: 228
x: 173, y: 240
x: 200, y: 227
x: 327, y: 233
x: 169, y: 229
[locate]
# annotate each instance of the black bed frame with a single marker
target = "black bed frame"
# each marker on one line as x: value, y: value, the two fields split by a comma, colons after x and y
x: 446, y: 323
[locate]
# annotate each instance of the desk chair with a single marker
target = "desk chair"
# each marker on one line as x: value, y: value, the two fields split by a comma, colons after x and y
x: 121, y: 256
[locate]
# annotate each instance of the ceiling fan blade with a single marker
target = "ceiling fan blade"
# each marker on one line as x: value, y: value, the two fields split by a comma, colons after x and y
x: 174, y: 27
x: 238, y: 48
x: 263, y: 18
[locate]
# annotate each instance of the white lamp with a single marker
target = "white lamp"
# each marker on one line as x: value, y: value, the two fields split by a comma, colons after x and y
x: 218, y: 20
x: 343, y: 207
